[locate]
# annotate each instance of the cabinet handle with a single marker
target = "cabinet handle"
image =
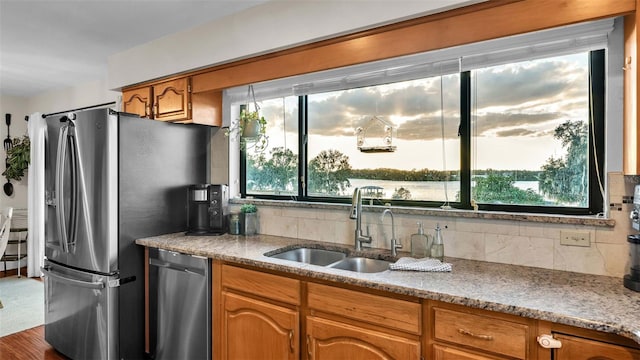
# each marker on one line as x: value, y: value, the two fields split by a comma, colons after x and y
x: 157, y: 109
x: 309, y: 347
x: 291, y: 344
x: 548, y: 342
x: 469, y: 333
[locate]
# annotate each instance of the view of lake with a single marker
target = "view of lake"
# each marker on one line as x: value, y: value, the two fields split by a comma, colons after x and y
x: 425, y: 190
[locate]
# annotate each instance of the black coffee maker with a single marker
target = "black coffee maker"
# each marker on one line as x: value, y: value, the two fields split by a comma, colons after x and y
x: 208, y: 209
x: 632, y: 280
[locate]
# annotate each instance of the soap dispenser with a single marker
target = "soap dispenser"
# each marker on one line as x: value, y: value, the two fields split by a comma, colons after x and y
x: 437, y: 248
x: 420, y: 244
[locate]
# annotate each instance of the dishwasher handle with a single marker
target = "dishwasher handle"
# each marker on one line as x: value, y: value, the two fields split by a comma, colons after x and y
x: 176, y: 267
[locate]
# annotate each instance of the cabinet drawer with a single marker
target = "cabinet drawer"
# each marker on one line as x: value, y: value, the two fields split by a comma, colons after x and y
x: 576, y: 348
x: 481, y: 332
x: 448, y: 353
x: 262, y: 284
x: 380, y: 310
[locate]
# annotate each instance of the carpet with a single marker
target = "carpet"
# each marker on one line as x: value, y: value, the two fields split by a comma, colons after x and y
x: 23, y: 301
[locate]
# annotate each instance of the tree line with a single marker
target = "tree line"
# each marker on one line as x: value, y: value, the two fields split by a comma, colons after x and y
x: 564, y: 179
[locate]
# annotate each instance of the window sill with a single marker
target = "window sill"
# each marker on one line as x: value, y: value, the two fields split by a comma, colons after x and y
x: 456, y: 213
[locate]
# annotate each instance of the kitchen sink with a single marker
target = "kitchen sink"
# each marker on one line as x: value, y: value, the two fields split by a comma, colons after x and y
x: 319, y: 257
x: 362, y: 264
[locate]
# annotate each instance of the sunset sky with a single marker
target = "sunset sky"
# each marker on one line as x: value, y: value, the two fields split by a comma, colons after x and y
x: 518, y: 106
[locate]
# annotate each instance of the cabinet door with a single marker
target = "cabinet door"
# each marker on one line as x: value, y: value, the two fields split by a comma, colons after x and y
x: 327, y: 339
x: 447, y: 353
x: 575, y: 348
x: 254, y: 329
x: 137, y: 101
x: 171, y: 100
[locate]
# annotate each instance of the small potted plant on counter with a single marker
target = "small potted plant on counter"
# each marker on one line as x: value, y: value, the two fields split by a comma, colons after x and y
x: 249, y: 219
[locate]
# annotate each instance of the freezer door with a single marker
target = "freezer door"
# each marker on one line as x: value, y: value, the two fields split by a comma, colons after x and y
x: 80, y: 311
x: 81, y: 151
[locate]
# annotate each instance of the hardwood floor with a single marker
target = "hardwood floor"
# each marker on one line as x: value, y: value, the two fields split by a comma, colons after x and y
x: 5, y: 273
x: 28, y: 344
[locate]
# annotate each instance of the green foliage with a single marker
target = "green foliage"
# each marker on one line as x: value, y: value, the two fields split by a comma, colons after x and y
x: 248, y: 117
x: 499, y: 189
x: 566, y: 179
x: 329, y: 173
x: 401, y: 194
x: 18, y: 159
x: 248, y: 208
x: 403, y: 175
x: 251, y: 128
x: 278, y: 173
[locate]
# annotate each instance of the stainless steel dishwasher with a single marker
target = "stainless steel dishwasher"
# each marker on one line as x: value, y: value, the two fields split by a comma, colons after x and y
x: 179, y: 306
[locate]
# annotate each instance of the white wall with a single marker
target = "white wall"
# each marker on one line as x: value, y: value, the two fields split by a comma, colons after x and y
x: 271, y: 26
x: 87, y: 94
x: 17, y: 107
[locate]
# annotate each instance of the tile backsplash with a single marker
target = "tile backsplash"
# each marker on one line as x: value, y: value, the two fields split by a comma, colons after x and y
x: 503, y: 241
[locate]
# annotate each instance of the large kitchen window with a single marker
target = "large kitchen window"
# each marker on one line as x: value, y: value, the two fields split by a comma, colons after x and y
x: 417, y: 158
x: 510, y: 131
x: 534, y: 138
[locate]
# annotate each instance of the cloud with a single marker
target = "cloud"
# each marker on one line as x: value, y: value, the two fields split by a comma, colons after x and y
x: 516, y: 132
x: 525, y: 99
x: 511, y: 85
x: 420, y: 101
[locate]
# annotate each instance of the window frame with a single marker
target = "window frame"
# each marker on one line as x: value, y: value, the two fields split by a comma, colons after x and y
x: 597, y: 98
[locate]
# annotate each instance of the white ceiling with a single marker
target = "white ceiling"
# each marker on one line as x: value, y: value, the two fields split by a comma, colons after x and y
x: 48, y: 44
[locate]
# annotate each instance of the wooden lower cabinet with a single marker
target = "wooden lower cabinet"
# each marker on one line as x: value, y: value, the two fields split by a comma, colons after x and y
x: 254, y: 329
x: 576, y: 348
x: 327, y: 339
x: 441, y: 352
x: 267, y: 315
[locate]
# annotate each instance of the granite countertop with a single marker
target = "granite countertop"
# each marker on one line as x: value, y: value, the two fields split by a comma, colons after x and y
x: 588, y: 301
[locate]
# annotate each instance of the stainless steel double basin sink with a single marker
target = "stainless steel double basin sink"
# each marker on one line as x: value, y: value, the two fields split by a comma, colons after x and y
x: 332, y: 258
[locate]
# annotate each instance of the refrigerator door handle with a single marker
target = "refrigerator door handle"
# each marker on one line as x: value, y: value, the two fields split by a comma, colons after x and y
x: 65, y: 138
x: 75, y: 197
x: 59, y: 186
x: 80, y: 283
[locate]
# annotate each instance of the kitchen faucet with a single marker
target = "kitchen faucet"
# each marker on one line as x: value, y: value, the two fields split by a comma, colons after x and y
x: 395, y: 244
x: 356, y: 213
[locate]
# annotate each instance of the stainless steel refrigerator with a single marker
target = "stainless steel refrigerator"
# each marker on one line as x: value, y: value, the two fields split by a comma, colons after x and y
x: 110, y: 178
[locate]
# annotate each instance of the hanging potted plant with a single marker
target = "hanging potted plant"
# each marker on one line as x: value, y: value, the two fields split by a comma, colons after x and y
x: 251, y: 127
x: 252, y: 124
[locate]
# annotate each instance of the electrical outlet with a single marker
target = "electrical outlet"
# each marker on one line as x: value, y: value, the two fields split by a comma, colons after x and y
x: 575, y: 238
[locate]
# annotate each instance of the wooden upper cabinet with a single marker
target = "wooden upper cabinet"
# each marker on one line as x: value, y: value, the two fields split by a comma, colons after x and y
x: 631, y: 130
x: 172, y: 100
x: 137, y: 101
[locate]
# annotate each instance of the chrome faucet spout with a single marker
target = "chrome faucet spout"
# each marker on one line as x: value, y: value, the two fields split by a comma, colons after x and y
x: 356, y: 213
x: 395, y: 244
